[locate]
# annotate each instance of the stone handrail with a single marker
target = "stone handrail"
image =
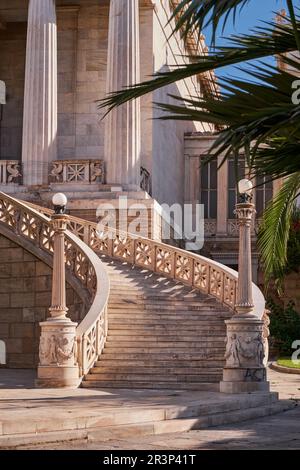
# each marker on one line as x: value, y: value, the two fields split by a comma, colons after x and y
x: 204, y: 274
x: 81, y: 262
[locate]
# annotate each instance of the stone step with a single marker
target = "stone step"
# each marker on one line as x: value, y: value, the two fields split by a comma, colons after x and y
x: 151, y: 378
x: 129, y: 423
x: 117, y: 294
x: 121, y: 363
x: 196, y: 345
x: 201, y: 386
x: 171, y: 370
x: 152, y: 354
x: 165, y: 319
x: 167, y: 305
x: 167, y: 315
x: 134, y: 330
x: 165, y: 341
x: 122, y: 320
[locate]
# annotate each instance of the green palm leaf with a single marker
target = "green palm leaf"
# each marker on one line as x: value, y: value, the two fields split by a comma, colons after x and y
x: 270, y: 40
x: 194, y: 15
x: 258, y: 112
x: 274, y: 233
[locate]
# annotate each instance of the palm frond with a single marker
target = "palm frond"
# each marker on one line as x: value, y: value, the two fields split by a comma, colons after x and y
x: 274, y: 232
x: 257, y: 112
x: 270, y: 40
x: 194, y: 15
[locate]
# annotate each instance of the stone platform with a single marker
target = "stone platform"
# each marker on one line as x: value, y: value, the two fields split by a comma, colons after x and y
x: 31, y: 416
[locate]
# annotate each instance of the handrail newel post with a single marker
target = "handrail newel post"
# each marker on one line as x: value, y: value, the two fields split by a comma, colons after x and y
x: 245, y: 369
x: 58, y: 352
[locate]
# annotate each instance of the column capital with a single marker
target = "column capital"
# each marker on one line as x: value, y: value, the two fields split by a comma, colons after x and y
x: 244, y: 212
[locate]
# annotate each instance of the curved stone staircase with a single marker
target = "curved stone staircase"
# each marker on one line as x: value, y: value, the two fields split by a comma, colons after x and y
x: 157, y: 312
x: 161, y: 334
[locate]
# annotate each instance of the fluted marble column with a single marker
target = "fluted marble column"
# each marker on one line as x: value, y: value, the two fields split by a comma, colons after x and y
x: 40, y: 95
x: 122, y: 127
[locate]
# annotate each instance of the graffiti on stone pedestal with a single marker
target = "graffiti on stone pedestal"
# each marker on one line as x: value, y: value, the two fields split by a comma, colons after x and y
x: 255, y: 375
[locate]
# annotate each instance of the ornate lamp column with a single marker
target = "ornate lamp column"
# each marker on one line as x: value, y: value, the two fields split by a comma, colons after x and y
x: 245, y: 370
x: 40, y: 93
x: 58, y: 343
x: 122, y: 125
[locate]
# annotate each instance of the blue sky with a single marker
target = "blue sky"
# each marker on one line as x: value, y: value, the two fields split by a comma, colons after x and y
x: 251, y: 15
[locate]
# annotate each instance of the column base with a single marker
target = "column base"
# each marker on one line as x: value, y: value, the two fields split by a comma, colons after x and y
x: 57, y: 377
x: 244, y: 380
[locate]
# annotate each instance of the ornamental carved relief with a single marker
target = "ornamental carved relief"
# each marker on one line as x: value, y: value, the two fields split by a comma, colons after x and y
x: 77, y: 171
x: 58, y: 349
x: 13, y: 171
x: 244, y: 350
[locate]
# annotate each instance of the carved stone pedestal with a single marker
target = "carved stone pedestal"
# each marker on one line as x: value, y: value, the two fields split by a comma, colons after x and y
x: 58, y: 355
x: 245, y: 370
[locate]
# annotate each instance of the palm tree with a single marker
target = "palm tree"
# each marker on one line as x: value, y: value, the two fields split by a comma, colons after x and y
x: 256, y: 116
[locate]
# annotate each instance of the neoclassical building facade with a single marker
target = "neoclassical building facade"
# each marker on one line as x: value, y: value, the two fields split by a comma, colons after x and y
x: 58, y: 59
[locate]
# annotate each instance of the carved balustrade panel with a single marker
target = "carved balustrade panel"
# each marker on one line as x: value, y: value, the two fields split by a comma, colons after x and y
x: 144, y: 254
x: 210, y: 227
x: 184, y: 268
x: 9, y: 214
x: 76, y: 228
x: 165, y: 261
x: 99, y: 241
x: 230, y: 287
x: 201, y: 276
x: 123, y: 247
x: 233, y: 227
x: 216, y: 284
x: 77, y: 171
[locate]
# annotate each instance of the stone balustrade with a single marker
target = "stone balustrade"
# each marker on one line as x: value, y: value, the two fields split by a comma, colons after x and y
x: 82, y: 264
x: 77, y: 171
x: 10, y: 172
x: 247, y: 334
x: 207, y: 275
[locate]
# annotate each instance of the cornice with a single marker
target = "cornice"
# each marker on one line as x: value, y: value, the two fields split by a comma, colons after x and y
x: 197, y: 46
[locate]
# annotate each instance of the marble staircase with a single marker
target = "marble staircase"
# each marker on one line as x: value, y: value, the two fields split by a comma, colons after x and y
x: 161, y: 334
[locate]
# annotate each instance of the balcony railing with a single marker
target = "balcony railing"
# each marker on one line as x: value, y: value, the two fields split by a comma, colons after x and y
x: 77, y: 171
x: 10, y: 172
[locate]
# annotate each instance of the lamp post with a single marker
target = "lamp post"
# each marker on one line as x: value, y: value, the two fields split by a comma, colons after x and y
x: 58, y: 365
x: 244, y: 211
x: 244, y: 370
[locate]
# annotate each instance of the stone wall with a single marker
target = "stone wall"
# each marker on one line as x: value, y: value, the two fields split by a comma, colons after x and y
x: 25, y: 297
x: 12, y: 72
x: 82, y: 59
x: 168, y: 136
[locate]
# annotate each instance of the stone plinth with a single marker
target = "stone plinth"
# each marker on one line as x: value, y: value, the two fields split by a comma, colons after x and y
x: 58, y: 355
x: 244, y: 370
